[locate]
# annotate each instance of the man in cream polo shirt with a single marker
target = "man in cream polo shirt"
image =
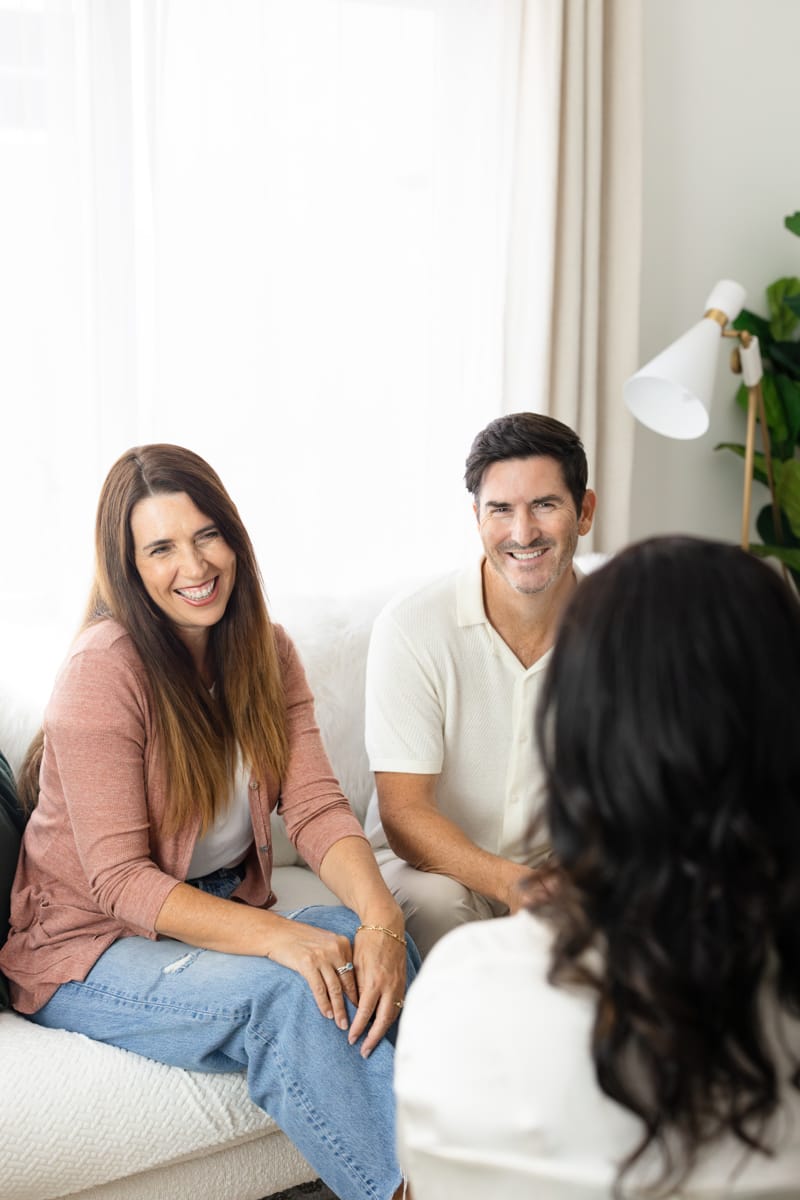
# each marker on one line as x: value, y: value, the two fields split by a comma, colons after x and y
x: 453, y: 676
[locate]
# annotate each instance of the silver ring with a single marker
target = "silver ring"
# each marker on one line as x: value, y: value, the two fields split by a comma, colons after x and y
x: 344, y: 970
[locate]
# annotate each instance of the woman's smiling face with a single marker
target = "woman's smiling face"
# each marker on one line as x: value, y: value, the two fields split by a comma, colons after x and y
x: 185, y: 564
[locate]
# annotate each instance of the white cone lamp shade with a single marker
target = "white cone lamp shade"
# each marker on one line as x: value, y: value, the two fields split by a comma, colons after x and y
x: 672, y: 394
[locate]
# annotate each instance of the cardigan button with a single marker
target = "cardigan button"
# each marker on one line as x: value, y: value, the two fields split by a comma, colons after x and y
x: 253, y: 785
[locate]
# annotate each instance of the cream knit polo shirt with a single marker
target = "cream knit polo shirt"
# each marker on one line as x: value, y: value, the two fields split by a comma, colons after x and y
x: 446, y: 696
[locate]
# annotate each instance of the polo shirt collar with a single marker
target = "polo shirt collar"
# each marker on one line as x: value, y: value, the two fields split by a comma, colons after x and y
x: 469, y: 593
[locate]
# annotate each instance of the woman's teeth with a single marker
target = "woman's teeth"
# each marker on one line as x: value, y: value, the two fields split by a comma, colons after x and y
x: 198, y: 593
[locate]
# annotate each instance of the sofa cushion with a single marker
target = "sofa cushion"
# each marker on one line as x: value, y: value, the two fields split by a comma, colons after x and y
x: 332, y: 636
x: 92, y: 1113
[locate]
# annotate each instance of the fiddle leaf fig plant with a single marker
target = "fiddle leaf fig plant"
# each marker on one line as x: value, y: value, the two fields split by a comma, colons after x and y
x: 779, y: 338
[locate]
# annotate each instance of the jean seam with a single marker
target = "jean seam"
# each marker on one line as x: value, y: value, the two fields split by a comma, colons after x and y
x: 139, y: 1001
x: 313, y: 1118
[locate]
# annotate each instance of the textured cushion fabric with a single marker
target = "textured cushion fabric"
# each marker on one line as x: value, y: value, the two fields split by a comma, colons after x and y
x: 109, y: 1113
x: 331, y: 636
x: 11, y: 825
x: 296, y: 887
x: 240, y: 1171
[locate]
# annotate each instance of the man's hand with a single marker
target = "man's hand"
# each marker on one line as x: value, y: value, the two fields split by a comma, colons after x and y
x: 533, y: 886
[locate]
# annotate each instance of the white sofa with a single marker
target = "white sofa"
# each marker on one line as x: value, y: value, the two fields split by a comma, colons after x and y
x: 85, y: 1120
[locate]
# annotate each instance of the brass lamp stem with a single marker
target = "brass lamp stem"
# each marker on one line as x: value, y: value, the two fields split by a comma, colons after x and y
x: 753, y: 394
x: 755, y: 409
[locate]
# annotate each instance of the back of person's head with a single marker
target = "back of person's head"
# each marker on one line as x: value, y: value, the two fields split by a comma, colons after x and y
x: 528, y: 435
x: 150, y: 471
x: 670, y: 732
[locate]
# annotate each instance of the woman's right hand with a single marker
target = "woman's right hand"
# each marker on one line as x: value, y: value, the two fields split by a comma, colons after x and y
x: 315, y: 954
x: 198, y: 919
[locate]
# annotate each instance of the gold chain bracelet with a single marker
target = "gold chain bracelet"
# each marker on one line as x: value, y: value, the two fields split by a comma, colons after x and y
x: 382, y: 929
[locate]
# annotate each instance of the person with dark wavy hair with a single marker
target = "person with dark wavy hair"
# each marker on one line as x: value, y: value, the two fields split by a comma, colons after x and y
x: 639, y: 1029
x: 142, y: 912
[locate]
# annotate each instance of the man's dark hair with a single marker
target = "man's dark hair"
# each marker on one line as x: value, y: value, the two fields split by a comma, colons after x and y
x: 528, y: 435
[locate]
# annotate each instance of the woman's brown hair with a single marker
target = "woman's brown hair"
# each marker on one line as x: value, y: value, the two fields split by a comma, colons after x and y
x: 200, y: 736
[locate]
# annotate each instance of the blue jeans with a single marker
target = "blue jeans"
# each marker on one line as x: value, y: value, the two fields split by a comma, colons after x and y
x: 207, y: 1011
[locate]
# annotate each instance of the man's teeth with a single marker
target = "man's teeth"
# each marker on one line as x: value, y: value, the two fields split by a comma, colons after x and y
x: 201, y: 593
x: 523, y: 557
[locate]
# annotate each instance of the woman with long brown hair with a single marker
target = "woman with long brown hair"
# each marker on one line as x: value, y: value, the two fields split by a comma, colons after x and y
x: 639, y: 1033
x: 142, y: 911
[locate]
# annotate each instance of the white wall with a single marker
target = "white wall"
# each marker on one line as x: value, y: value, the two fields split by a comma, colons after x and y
x: 722, y: 169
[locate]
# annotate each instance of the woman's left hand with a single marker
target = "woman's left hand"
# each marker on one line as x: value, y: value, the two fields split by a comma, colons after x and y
x: 350, y: 871
x: 380, y: 969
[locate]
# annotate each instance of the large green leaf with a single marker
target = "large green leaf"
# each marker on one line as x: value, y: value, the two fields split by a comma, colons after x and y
x: 741, y: 397
x: 785, y: 356
x: 773, y: 407
x: 782, y: 409
x: 787, y: 489
x: 783, y: 539
x: 786, y: 554
x: 783, y: 321
x: 757, y: 325
x: 793, y: 304
x: 770, y: 536
x: 789, y: 392
x: 759, y: 463
x: 792, y: 223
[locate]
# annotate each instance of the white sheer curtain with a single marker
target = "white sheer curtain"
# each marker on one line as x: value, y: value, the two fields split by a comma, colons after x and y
x: 274, y: 231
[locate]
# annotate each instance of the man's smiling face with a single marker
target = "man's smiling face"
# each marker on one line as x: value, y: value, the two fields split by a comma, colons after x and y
x: 528, y: 523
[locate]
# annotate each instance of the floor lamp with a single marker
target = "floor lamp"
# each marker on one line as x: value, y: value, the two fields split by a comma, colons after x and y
x: 672, y: 394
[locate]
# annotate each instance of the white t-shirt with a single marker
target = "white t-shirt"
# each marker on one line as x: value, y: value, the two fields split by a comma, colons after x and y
x: 446, y: 696
x: 228, y: 840
x: 496, y: 1090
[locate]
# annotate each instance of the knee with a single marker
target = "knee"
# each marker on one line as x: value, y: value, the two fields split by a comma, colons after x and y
x: 424, y: 892
x: 435, y: 904
x: 335, y: 918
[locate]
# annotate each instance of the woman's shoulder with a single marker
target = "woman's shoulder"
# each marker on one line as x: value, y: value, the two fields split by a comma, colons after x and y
x: 102, y: 660
x: 105, y: 634
x: 282, y: 640
x: 106, y: 640
x: 482, y: 1019
x: 288, y: 657
x: 484, y: 948
x: 465, y: 973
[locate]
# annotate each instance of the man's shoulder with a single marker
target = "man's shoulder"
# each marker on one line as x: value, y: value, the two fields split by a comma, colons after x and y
x: 434, y: 602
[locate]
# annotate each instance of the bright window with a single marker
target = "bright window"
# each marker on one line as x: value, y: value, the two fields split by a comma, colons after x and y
x: 273, y: 232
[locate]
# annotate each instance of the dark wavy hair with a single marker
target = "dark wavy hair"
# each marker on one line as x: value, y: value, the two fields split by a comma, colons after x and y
x: 528, y: 435
x: 200, y: 737
x: 670, y: 733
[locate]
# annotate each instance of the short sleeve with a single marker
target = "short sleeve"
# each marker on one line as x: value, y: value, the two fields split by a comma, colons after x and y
x: 404, y: 703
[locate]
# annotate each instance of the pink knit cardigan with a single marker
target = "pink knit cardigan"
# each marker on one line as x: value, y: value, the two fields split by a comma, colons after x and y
x: 95, y: 865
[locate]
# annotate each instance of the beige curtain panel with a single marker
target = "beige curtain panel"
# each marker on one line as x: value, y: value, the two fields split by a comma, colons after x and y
x: 572, y: 282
